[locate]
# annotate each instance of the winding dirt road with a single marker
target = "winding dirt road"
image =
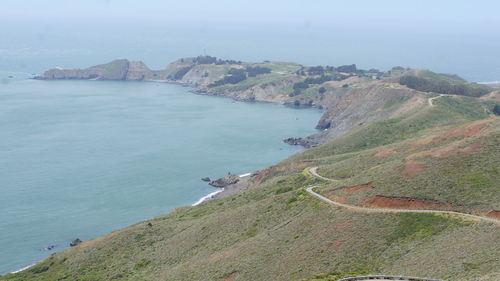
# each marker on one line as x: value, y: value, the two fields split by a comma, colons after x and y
x: 429, y: 100
x: 310, y: 190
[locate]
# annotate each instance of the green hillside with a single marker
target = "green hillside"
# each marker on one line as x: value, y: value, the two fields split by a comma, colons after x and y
x: 443, y: 156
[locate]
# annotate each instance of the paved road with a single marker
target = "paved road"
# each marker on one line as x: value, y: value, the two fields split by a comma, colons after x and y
x: 310, y: 190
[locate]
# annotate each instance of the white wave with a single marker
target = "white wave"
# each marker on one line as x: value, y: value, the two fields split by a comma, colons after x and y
x: 489, y: 82
x: 207, y: 197
x: 24, y: 268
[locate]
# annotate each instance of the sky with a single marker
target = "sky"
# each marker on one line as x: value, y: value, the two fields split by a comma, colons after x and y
x: 452, y: 36
x: 446, y: 15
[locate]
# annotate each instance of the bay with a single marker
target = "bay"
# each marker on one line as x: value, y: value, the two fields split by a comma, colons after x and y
x: 83, y: 158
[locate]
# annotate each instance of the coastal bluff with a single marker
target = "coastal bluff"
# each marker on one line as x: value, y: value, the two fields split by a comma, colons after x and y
x: 121, y: 69
x: 350, y: 97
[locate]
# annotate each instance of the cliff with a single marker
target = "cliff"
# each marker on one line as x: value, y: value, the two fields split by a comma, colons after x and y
x: 115, y: 70
x: 349, y: 96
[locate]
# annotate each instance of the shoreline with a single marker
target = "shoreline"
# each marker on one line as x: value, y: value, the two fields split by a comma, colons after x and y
x: 226, y: 191
x: 194, y: 89
x: 23, y: 268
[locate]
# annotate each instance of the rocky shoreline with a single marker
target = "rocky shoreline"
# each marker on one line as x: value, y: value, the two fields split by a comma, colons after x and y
x: 348, y: 96
x: 229, y: 185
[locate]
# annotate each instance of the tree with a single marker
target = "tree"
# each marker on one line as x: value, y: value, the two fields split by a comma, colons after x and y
x: 205, y: 60
x: 496, y: 109
x: 347, y: 68
x: 254, y: 71
x: 181, y: 72
x: 322, y: 90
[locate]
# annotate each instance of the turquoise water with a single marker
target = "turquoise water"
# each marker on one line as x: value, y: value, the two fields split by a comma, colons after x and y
x: 83, y: 158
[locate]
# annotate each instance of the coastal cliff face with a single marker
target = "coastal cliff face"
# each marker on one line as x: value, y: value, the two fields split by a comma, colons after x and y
x: 350, y: 97
x: 115, y: 70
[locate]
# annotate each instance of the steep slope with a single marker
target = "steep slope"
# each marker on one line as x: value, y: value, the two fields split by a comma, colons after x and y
x: 116, y: 70
x: 444, y: 154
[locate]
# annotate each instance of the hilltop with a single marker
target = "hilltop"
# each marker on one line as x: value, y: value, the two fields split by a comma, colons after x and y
x: 431, y: 142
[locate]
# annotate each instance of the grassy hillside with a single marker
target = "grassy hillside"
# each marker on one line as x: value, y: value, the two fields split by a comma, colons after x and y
x: 444, y: 154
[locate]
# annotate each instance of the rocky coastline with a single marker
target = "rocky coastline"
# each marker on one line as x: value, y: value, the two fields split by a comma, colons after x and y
x: 349, y: 97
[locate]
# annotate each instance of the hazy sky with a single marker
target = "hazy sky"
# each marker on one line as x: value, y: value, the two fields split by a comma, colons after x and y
x: 456, y: 36
x: 452, y: 15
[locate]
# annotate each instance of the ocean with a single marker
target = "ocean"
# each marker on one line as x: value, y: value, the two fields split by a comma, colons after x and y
x: 83, y: 158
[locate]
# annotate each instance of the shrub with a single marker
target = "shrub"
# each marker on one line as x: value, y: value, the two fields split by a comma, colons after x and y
x: 347, y: 68
x: 254, y: 71
x: 205, y: 60
x: 496, y: 109
x: 181, y: 72
x: 443, y: 87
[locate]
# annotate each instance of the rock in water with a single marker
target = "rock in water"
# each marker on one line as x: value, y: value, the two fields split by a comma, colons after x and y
x: 75, y: 242
x: 225, y: 181
x: 205, y: 179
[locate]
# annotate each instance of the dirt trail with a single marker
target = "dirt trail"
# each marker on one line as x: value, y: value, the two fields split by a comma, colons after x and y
x: 431, y: 99
x: 314, y: 172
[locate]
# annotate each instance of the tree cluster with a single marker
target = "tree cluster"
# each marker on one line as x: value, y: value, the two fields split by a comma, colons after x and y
x: 254, y: 71
x: 181, y: 72
x: 205, y: 60
x: 235, y: 76
x: 443, y: 87
x: 496, y: 109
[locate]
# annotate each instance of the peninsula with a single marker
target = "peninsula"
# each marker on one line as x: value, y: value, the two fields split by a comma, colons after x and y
x: 401, y: 181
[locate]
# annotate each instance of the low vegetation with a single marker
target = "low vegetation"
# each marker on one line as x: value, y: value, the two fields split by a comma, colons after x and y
x: 444, y: 155
x: 427, y: 81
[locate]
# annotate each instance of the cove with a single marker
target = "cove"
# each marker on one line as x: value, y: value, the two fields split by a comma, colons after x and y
x: 83, y: 158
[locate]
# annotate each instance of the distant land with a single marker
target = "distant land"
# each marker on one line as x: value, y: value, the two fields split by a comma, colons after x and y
x: 409, y: 140
x: 325, y: 87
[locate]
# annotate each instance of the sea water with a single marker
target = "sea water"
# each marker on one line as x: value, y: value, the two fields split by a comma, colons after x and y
x: 83, y: 158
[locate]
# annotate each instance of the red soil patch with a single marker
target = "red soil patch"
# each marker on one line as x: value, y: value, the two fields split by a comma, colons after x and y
x: 411, y: 168
x: 493, y: 214
x: 405, y: 203
x: 459, y: 132
x: 336, y: 198
x: 446, y: 151
x: 353, y: 189
x: 386, y: 151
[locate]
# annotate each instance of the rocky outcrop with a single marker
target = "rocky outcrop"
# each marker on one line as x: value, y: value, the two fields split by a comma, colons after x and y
x: 207, y: 179
x: 75, y: 242
x: 115, y: 70
x: 305, y: 142
x: 225, y: 181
